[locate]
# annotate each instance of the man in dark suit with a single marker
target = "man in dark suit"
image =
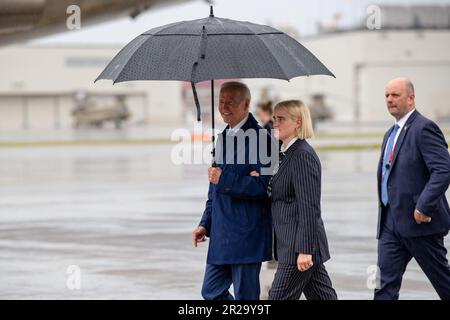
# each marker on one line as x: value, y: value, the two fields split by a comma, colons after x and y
x: 413, y: 176
x: 237, y: 213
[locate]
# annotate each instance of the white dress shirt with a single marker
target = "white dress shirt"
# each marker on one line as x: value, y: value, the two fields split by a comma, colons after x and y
x: 235, y: 129
x: 284, y: 149
x: 401, y: 123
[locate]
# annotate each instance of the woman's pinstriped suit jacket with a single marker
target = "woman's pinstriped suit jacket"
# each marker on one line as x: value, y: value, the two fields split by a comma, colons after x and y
x: 296, y: 213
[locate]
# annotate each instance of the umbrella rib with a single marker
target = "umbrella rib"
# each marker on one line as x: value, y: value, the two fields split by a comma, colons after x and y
x: 242, y: 33
x: 171, y: 34
x: 244, y: 26
x: 126, y: 63
x: 262, y: 39
x: 258, y: 36
x: 307, y: 72
x: 273, y: 57
x: 210, y: 34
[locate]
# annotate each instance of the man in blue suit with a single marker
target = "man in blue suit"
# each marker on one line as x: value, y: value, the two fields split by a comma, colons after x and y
x: 237, y: 213
x: 413, y: 176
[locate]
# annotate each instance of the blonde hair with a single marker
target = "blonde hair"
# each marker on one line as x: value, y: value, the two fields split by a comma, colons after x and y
x: 297, y: 109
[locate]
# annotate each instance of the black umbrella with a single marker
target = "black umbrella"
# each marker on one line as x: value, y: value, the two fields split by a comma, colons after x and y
x: 212, y: 48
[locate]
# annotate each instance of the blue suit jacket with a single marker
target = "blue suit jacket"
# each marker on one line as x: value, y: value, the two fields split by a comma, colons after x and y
x: 237, y: 212
x: 419, y: 178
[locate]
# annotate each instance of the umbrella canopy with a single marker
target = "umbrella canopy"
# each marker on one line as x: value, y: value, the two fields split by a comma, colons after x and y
x: 212, y: 48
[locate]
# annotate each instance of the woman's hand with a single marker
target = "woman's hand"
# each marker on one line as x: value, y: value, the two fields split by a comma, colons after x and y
x: 304, y: 262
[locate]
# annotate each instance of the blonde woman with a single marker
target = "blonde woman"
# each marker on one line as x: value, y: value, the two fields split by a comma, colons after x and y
x: 301, y: 242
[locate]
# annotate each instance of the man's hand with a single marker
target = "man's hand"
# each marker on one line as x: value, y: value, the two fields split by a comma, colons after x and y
x: 304, y: 262
x: 214, y: 174
x: 198, y: 235
x: 254, y: 174
x: 421, y: 218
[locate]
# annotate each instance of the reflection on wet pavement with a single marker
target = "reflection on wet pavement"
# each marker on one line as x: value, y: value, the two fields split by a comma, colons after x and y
x: 124, y: 214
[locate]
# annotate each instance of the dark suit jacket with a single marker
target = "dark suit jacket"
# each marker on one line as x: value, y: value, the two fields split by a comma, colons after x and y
x: 296, y: 213
x: 419, y: 177
x: 237, y: 212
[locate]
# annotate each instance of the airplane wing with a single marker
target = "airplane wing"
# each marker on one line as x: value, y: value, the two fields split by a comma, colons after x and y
x: 21, y: 20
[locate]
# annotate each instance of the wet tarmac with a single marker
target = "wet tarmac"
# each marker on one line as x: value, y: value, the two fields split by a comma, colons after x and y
x: 124, y: 215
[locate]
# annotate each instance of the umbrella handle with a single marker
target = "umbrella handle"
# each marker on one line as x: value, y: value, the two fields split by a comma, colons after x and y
x: 197, y: 103
x: 194, y: 68
x: 213, y: 151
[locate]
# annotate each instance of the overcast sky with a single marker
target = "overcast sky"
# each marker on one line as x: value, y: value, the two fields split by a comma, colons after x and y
x: 303, y: 15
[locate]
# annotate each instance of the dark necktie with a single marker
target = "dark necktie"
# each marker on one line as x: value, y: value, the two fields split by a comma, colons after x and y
x: 386, y: 168
x: 269, y: 186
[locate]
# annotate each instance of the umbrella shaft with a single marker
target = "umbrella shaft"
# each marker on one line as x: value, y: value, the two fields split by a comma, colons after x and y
x: 213, y: 136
